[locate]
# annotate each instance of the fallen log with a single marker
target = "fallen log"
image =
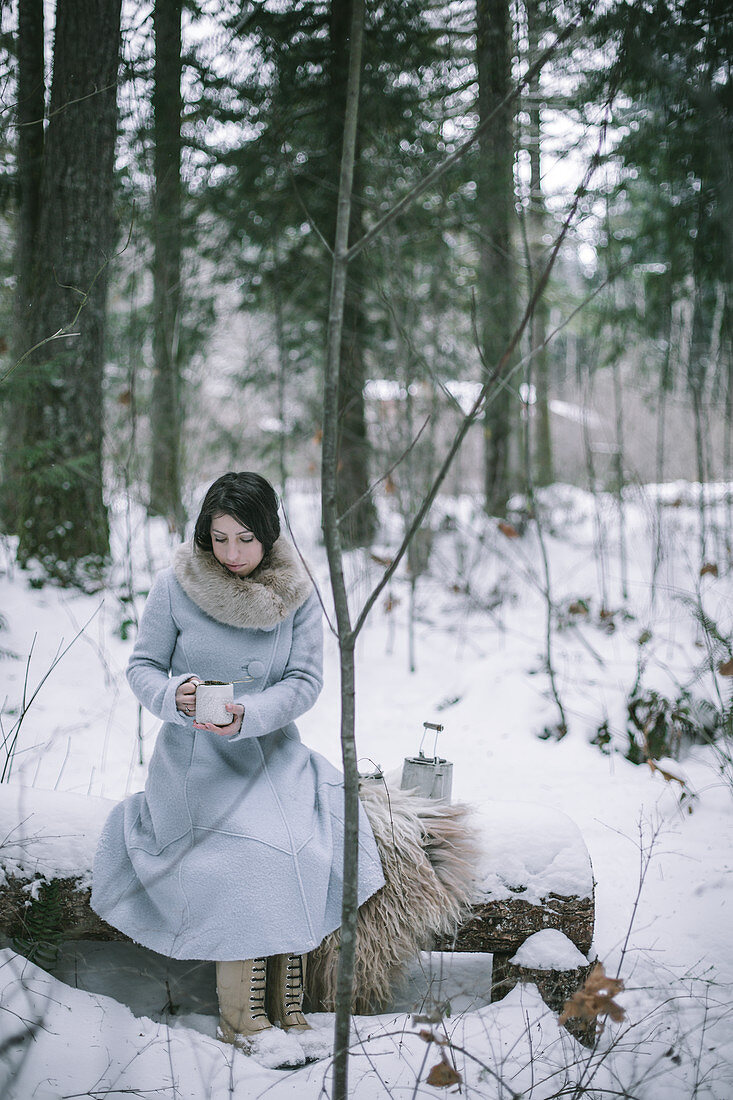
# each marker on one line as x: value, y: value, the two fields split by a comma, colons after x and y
x: 532, y: 872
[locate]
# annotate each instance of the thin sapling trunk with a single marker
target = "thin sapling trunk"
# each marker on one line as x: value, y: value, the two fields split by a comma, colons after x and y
x: 332, y: 538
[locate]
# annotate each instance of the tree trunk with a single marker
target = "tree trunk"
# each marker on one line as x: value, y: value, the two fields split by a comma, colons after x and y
x: 728, y: 447
x: 29, y: 120
x: 29, y: 155
x: 353, y: 444
x: 620, y: 473
x: 61, y: 512
x: 282, y: 374
x: 166, y: 416
x: 698, y: 366
x: 333, y: 541
x: 495, y: 205
x: 665, y: 385
x: 539, y: 365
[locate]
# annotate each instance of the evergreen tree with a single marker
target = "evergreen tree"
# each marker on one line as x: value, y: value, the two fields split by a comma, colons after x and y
x: 29, y: 118
x: 56, y: 452
x: 539, y: 362
x: 673, y: 208
x: 166, y: 409
x: 284, y: 177
x: 495, y: 222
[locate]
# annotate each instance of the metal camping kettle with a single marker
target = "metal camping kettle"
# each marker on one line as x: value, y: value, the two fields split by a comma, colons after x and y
x: 430, y: 776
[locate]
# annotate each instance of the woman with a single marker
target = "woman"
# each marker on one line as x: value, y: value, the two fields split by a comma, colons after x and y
x: 233, y: 852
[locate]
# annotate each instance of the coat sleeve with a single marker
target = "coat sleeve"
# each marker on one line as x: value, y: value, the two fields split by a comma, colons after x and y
x: 148, y: 671
x: 301, y: 681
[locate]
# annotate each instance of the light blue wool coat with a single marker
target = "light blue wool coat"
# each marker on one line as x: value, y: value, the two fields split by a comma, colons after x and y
x: 234, y: 848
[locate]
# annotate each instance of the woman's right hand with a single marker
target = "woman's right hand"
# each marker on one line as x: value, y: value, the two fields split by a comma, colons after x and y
x: 186, y: 696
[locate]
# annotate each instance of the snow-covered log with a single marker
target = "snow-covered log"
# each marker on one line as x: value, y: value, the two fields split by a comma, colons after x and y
x: 552, y: 962
x: 50, y: 837
x: 531, y: 871
x: 534, y: 873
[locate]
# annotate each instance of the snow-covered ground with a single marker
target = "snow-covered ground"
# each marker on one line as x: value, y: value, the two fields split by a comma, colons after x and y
x: 662, y: 849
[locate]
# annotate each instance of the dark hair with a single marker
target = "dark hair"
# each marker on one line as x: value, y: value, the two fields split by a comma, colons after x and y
x: 248, y: 498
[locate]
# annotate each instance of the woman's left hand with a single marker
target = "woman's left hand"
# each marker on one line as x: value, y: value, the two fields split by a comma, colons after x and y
x: 237, y: 710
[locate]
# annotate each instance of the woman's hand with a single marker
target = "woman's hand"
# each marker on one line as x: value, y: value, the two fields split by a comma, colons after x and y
x: 186, y: 696
x: 235, y: 709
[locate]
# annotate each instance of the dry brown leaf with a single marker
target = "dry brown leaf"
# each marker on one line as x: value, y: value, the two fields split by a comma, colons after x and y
x: 508, y: 530
x: 442, y: 1075
x: 391, y: 602
x: 386, y: 562
x: 389, y: 486
x: 668, y: 776
x: 426, y: 1036
x: 725, y: 668
x: 318, y: 436
x: 595, y: 998
x: 709, y: 568
x: 578, y: 607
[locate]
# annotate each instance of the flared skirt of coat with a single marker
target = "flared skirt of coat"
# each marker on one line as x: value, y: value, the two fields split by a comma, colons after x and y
x: 233, y: 851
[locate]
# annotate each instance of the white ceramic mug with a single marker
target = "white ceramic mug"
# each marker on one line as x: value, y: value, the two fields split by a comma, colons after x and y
x: 211, y: 699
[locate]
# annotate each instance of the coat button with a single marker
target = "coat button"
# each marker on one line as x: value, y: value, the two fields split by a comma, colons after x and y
x: 255, y: 669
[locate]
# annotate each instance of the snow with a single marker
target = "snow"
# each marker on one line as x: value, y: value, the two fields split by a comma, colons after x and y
x: 531, y: 849
x: 573, y: 412
x: 526, y: 848
x: 465, y: 392
x: 274, y: 1048
x: 49, y: 834
x: 114, y: 1019
x: 549, y: 949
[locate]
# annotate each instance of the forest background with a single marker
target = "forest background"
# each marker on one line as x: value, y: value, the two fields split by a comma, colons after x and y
x: 169, y: 182
x: 539, y: 260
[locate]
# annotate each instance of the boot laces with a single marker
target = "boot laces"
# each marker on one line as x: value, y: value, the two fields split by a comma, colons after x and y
x: 257, y: 987
x: 293, y: 983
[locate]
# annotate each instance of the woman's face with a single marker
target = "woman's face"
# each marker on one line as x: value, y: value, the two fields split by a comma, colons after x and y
x: 235, y: 546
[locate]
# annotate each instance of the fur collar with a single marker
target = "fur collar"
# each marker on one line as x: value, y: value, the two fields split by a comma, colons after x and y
x: 277, y: 587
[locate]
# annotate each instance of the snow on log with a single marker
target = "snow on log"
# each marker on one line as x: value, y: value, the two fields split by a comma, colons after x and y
x: 552, y: 962
x: 535, y: 873
x: 549, y: 949
x: 50, y: 836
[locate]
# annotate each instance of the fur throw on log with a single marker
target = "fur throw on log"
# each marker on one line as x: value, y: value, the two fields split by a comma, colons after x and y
x: 428, y: 850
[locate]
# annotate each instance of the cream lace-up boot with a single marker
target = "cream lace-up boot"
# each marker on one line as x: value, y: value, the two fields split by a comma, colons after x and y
x: 285, y: 985
x: 240, y: 987
x: 243, y: 1021
x: 285, y: 988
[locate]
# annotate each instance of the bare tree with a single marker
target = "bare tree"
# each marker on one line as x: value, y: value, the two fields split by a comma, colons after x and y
x: 332, y: 536
x: 346, y: 630
x: 353, y: 444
